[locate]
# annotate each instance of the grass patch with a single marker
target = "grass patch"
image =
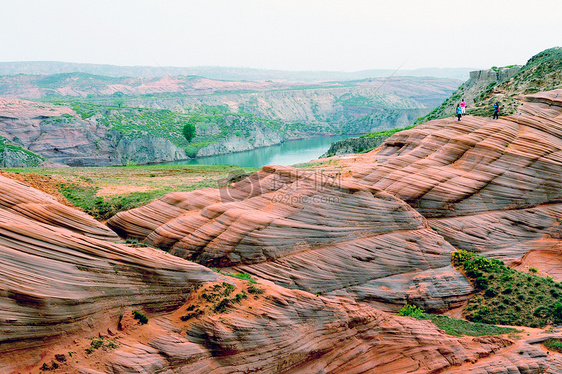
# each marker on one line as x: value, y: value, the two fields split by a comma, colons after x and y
x: 80, y: 186
x: 103, y: 207
x: 553, y: 345
x: 385, y: 133
x: 97, y: 343
x: 508, y: 297
x: 460, y: 327
x: 454, y: 326
x: 243, y: 276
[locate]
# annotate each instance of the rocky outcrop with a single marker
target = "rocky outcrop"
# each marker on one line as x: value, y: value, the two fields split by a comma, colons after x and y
x: 344, y: 235
x: 59, y: 135
x: 488, y: 186
x: 526, y: 356
x: 13, y: 156
x: 448, y: 168
x: 31, y: 204
x: 60, y: 273
x: 146, y: 150
x: 290, y: 331
x: 354, y: 145
x: 259, y: 136
x: 278, y: 222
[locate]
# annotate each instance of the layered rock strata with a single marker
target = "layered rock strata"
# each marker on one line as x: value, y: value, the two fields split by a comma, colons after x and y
x: 306, y: 230
x: 348, y: 236
x: 290, y: 331
x: 56, y: 281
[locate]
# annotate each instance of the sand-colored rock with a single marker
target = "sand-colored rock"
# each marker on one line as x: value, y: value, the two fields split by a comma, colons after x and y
x: 308, y: 231
x: 291, y: 331
x: 506, y: 235
x: 526, y: 356
x: 450, y: 168
x: 55, y: 281
x: 27, y: 202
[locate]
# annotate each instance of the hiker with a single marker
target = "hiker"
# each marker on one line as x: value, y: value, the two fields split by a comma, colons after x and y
x: 459, y: 112
x: 463, y: 107
x: 496, y: 111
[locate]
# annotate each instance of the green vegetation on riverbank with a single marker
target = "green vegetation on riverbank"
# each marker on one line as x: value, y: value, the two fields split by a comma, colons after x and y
x: 385, y: 133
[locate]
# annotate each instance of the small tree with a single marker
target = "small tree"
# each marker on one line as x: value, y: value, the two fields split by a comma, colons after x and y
x: 189, y: 131
x: 118, y: 98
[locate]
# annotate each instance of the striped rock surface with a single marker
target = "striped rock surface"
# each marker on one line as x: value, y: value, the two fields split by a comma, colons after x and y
x: 363, y: 233
x: 54, y: 280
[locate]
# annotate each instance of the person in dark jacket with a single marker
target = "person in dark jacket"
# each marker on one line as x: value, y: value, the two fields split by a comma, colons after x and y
x: 459, y: 112
x: 496, y: 111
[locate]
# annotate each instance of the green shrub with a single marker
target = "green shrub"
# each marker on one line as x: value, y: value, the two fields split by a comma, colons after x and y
x: 481, y: 283
x: 553, y: 345
x: 141, y: 317
x: 535, y: 300
x: 188, y: 131
x: 255, y: 290
x: 410, y: 311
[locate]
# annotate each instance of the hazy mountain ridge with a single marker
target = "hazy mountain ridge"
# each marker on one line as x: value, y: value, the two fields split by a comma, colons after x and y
x: 215, y: 72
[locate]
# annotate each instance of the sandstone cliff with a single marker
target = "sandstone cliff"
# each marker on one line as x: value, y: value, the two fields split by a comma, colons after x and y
x: 60, y: 290
x: 281, y: 220
x: 60, y: 135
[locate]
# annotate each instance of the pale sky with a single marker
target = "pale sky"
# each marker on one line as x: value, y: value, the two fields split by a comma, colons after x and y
x: 340, y: 35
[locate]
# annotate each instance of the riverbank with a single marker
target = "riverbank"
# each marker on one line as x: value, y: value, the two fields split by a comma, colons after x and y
x: 289, y: 152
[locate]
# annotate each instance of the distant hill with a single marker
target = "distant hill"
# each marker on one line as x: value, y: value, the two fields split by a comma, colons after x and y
x: 543, y: 72
x: 215, y: 72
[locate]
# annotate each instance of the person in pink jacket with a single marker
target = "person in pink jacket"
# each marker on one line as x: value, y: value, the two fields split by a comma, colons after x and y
x: 463, y: 107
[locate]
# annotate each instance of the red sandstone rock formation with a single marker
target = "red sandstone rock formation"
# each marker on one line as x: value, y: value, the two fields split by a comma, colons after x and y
x: 305, y: 230
x: 471, y: 177
x: 55, y: 283
x: 291, y: 331
x: 36, y: 206
x: 59, y: 271
x: 489, y: 186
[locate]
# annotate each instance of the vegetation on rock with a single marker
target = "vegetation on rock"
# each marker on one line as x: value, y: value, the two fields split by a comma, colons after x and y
x: 542, y: 72
x: 100, y: 342
x: 126, y: 187
x: 386, y: 133
x: 506, y: 296
x: 553, y: 345
x: 15, y: 156
x: 143, y: 320
x: 454, y: 326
